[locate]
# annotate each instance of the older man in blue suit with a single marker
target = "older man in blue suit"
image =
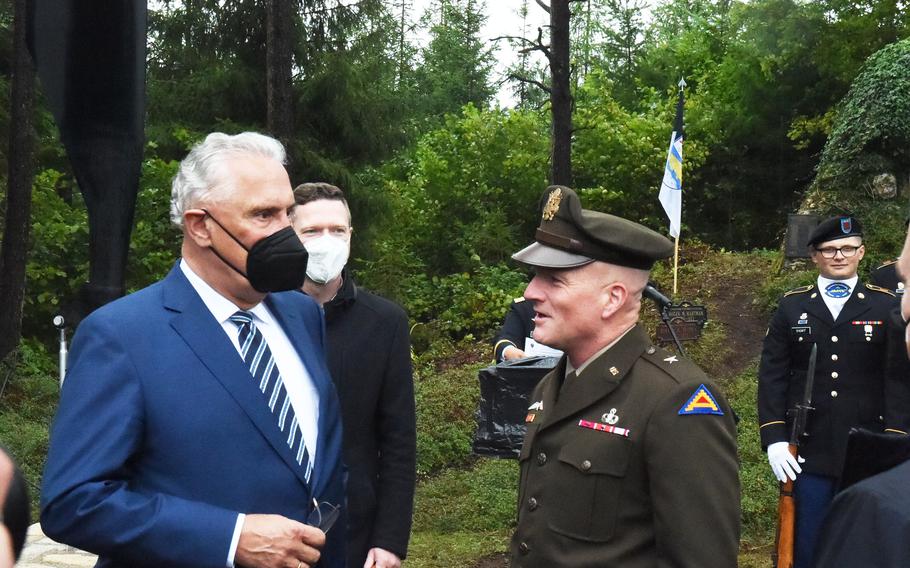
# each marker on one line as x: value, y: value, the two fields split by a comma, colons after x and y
x: 198, y: 425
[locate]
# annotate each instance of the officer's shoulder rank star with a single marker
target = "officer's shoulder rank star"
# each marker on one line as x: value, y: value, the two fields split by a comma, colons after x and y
x: 671, y: 359
x: 701, y: 402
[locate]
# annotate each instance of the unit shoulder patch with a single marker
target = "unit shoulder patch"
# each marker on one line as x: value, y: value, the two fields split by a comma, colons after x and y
x: 701, y: 402
x: 875, y: 288
x: 800, y: 290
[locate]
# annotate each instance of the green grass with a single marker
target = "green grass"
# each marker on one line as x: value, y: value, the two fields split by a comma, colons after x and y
x: 464, y: 514
x: 759, y: 487
x: 445, y: 417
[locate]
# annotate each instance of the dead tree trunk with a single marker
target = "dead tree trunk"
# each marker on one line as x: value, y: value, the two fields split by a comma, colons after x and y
x: 560, y: 94
x: 19, y: 192
x: 279, y: 56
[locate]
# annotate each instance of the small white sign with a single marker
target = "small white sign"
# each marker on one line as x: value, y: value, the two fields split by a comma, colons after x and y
x: 533, y: 348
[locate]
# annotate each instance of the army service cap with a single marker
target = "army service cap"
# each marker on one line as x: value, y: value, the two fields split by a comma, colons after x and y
x: 839, y: 227
x: 570, y: 236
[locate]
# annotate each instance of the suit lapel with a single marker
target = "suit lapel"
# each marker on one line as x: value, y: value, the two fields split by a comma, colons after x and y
x: 290, y: 317
x: 600, y: 377
x: 205, y: 337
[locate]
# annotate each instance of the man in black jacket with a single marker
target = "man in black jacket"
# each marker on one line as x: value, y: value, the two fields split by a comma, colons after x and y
x: 370, y: 361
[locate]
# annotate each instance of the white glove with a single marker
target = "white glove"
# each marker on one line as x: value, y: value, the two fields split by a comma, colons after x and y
x: 783, y: 464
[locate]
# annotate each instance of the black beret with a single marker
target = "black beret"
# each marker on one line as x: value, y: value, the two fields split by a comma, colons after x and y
x: 839, y: 227
x: 571, y: 236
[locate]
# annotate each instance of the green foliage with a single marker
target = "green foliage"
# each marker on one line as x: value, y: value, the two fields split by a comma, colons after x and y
x: 445, y: 418
x: 759, y: 486
x: 473, y: 185
x: 479, y: 499
x: 456, y: 64
x: 620, y: 154
x: 872, y: 130
x: 27, y: 405
x: 58, y: 257
x: 463, y: 514
x: 154, y: 243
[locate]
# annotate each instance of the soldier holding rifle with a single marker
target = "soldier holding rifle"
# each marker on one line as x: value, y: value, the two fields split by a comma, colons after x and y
x: 858, y: 366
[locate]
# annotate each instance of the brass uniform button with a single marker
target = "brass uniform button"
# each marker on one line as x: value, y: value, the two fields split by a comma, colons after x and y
x: 524, y: 548
x: 585, y: 465
x: 541, y: 458
x: 532, y: 504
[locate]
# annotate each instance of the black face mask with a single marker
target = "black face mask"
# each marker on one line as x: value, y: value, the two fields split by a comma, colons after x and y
x: 275, y: 263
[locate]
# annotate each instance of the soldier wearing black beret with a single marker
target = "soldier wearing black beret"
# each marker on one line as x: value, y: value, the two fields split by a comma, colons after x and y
x: 860, y: 379
x: 630, y: 454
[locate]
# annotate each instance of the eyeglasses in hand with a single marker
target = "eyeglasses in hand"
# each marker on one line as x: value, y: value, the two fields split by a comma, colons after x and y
x: 323, y: 515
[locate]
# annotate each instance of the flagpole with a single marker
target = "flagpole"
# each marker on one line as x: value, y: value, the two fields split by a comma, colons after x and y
x: 675, y: 264
x: 682, y: 86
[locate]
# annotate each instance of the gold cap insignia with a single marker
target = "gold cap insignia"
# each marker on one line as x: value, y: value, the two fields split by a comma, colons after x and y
x: 552, y: 206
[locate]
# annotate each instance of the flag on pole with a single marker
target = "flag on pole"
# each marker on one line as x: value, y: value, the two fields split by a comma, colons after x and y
x: 671, y: 186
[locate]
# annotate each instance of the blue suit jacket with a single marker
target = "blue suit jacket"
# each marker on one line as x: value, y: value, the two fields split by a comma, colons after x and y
x: 161, y: 437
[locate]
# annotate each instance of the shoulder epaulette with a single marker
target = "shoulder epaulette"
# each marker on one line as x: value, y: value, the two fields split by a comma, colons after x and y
x: 880, y: 289
x: 888, y: 263
x: 800, y: 290
x: 519, y: 299
x: 680, y: 368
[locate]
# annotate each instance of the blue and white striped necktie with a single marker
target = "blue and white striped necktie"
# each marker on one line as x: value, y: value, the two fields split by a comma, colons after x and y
x: 258, y: 357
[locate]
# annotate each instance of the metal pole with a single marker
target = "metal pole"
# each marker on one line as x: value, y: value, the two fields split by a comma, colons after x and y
x: 60, y: 324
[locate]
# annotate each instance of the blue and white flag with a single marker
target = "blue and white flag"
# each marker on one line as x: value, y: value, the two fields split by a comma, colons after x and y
x: 671, y: 186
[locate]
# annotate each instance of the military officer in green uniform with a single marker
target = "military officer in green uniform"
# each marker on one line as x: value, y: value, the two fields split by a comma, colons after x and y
x: 861, y: 374
x: 630, y: 454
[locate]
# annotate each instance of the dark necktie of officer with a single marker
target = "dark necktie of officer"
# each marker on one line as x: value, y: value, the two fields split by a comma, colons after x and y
x: 258, y: 357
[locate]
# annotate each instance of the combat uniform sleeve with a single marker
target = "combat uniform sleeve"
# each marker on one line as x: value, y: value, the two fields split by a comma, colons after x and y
x: 515, y: 328
x: 773, y: 381
x: 397, y: 447
x: 694, y: 482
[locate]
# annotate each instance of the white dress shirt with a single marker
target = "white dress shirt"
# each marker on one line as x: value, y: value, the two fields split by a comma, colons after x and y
x: 298, y: 382
x: 835, y: 305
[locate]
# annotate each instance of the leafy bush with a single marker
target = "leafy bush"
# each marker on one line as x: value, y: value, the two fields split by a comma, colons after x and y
x: 27, y: 406
x: 445, y: 418
x: 154, y: 243
x: 872, y: 130
x: 466, y: 194
x: 58, y: 258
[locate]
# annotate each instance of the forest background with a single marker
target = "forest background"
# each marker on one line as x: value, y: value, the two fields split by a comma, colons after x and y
x: 443, y: 182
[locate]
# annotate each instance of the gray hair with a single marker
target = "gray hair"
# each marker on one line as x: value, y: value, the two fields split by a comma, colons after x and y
x: 200, y: 173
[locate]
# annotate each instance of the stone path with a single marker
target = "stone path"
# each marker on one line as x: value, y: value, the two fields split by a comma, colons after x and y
x: 42, y: 552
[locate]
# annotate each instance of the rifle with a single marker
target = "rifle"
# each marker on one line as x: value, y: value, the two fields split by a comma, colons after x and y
x: 786, y: 506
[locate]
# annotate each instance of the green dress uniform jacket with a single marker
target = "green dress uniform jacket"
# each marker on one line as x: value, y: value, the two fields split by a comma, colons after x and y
x: 632, y: 465
x: 862, y: 375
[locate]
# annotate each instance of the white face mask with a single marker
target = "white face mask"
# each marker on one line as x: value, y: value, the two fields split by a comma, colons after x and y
x: 328, y: 255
